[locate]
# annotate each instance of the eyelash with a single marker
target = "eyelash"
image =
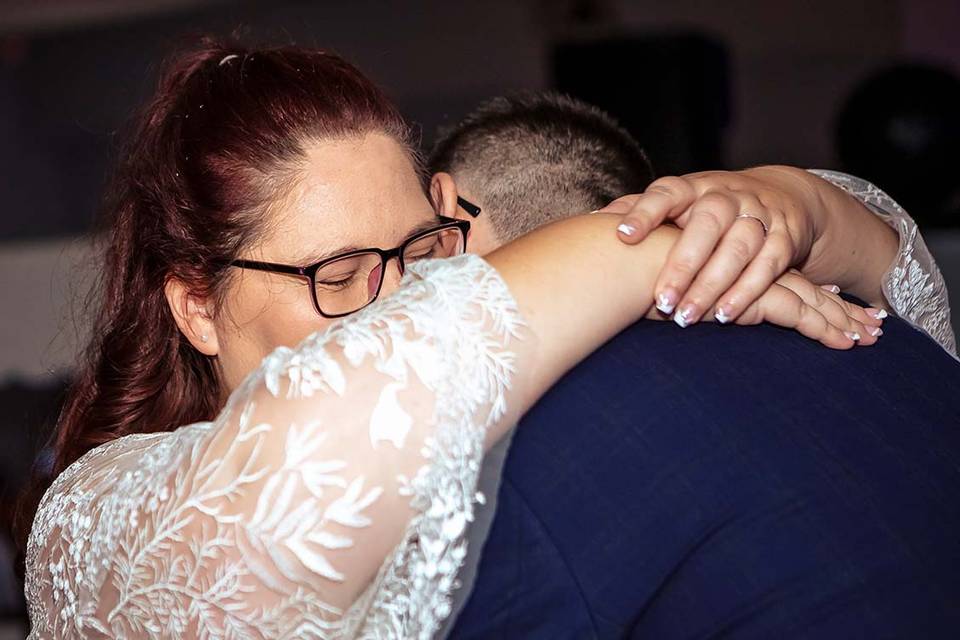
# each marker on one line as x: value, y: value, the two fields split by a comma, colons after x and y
x: 338, y: 283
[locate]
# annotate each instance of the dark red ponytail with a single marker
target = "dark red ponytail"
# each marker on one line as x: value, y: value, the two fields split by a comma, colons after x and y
x: 220, y: 140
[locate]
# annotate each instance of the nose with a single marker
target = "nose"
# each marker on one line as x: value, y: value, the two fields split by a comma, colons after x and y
x: 391, y: 279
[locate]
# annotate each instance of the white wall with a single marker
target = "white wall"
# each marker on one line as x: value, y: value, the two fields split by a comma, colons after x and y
x: 42, y: 286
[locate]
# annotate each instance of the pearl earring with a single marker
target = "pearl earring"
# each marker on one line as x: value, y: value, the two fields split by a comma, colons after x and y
x: 203, y: 338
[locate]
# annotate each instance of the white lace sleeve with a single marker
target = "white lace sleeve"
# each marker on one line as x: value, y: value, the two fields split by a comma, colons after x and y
x: 329, y: 499
x: 913, y: 286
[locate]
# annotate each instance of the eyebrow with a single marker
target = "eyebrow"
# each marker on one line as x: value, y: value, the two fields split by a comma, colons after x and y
x: 313, y: 258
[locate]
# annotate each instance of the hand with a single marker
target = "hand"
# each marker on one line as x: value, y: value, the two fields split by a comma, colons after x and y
x: 796, y: 303
x: 742, y: 230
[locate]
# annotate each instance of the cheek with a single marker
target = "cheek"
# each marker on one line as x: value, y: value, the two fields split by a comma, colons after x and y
x: 256, y: 319
x: 373, y: 280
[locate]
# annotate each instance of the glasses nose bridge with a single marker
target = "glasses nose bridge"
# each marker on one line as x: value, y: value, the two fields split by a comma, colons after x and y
x: 387, y: 256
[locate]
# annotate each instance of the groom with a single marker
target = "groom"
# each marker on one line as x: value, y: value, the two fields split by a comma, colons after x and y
x: 760, y: 485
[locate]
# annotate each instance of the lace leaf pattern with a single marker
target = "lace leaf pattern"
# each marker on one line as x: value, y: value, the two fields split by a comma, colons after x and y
x: 913, y: 285
x: 363, y: 442
x: 412, y: 594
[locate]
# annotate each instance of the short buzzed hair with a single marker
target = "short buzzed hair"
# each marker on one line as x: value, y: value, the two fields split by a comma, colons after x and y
x: 537, y: 157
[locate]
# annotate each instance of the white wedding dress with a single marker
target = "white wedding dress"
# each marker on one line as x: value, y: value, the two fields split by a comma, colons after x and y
x: 332, y: 495
x: 273, y: 521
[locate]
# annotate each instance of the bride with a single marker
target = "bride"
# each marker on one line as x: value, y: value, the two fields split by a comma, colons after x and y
x: 212, y: 481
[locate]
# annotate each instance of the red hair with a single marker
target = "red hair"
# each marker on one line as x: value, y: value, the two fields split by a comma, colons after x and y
x: 219, y: 140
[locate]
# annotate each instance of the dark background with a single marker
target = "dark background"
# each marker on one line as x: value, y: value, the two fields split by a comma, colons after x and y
x: 866, y: 86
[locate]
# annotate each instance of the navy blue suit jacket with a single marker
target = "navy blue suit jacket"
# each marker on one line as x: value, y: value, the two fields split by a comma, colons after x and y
x: 732, y: 482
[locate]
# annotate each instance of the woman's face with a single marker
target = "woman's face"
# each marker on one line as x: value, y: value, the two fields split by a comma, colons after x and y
x: 353, y: 194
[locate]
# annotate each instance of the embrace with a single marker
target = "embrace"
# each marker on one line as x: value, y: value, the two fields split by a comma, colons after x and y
x: 518, y: 389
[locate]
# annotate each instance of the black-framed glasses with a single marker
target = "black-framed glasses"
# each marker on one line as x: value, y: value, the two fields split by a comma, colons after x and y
x: 468, y: 206
x: 345, y: 283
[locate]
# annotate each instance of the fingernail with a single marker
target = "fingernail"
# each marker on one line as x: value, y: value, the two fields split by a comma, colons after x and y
x: 832, y: 288
x: 875, y: 331
x: 666, y: 300
x: 626, y: 229
x: 722, y: 315
x: 878, y: 314
x: 682, y: 318
x: 853, y: 335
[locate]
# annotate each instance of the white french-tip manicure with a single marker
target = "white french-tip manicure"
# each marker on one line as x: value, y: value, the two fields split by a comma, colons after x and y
x: 832, y: 288
x: 875, y: 331
x: 853, y: 335
x: 721, y: 317
x: 879, y: 314
x: 663, y: 304
x: 626, y: 229
x: 682, y: 318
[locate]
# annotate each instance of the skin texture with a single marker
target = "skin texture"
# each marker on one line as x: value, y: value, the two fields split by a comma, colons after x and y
x: 364, y: 192
x: 724, y: 260
x: 333, y: 208
x: 721, y: 264
x: 798, y: 298
x: 614, y: 284
x: 444, y: 191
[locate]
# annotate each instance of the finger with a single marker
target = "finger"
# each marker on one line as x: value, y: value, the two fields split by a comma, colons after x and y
x: 861, y: 321
x: 868, y: 317
x: 874, y: 316
x: 620, y: 206
x: 710, y: 218
x: 735, y: 251
x: 781, y: 306
x: 845, y: 315
x: 666, y: 198
x: 769, y: 264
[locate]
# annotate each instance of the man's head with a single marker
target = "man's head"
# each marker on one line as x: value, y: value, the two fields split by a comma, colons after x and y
x: 530, y: 159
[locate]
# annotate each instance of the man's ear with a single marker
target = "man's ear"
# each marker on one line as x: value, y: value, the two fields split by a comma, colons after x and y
x: 192, y: 317
x: 443, y: 194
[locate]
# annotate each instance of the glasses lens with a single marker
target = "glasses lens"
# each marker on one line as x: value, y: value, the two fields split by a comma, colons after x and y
x: 443, y: 243
x: 348, y: 284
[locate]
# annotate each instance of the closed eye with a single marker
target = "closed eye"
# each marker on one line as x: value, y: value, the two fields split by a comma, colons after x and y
x: 338, y: 283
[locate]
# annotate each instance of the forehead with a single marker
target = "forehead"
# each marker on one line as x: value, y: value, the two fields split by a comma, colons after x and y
x: 353, y: 192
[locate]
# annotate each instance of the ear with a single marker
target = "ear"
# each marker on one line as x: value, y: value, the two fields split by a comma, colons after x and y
x: 192, y: 317
x: 443, y: 194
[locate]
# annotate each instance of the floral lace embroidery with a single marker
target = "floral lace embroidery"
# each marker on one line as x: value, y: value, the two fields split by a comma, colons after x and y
x: 367, y: 436
x: 913, y: 285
